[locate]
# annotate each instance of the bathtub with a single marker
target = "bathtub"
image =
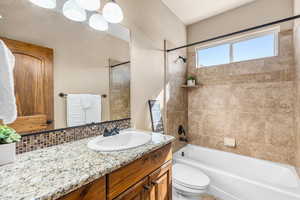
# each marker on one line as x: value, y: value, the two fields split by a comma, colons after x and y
x: 236, y: 177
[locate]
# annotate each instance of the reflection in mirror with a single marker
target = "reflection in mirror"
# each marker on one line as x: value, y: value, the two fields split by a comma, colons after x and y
x: 55, y: 55
x: 119, y: 90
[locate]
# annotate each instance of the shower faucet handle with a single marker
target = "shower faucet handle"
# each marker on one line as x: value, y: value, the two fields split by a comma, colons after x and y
x: 181, y: 130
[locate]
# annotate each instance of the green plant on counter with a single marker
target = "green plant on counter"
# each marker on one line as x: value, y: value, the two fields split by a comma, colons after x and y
x: 8, y: 135
x: 191, y: 78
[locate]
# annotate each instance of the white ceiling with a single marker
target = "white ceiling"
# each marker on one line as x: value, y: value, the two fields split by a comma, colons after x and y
x: 191, y: 11
x: 13, y: 9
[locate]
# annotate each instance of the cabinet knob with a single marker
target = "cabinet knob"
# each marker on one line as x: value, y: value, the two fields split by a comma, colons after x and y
x: 49, y: 122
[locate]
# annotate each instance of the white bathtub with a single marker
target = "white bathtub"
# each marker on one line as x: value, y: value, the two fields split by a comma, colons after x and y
x: 236, y: 177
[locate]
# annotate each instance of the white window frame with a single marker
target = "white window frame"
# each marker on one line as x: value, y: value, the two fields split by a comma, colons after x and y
x: 241, y: 38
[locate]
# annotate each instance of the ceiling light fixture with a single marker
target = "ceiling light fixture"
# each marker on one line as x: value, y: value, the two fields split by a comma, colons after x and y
x: 112, y: 12
x: 90, y: 5
x: 98, y: 22
x: 73, y: 11
x: 78, y: 10
x: 49, y: 4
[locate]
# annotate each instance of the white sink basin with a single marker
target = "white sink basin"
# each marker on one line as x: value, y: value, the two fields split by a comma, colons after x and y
x: 125, y: 140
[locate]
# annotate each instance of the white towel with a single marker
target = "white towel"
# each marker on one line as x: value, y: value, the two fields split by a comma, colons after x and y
x: 75, y: 113
x: 83, y: 109
x: 93, y: 112
x: 86, y: 101
x: 8, y: 107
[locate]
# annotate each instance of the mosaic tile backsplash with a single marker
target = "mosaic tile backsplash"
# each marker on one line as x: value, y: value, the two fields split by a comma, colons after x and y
x: 42, y: 140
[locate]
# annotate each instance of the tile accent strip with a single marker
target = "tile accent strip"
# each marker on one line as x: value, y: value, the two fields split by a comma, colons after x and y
x: 42, y: 140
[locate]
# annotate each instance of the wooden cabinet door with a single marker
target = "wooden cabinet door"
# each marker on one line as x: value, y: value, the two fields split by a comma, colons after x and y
x: 33, y: 74
x: 139, y: 191
x: 161, y: 181
x: 125, y: 177
x: 93, y: 191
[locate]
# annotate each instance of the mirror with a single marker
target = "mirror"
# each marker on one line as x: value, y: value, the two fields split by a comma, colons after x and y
x: 66, y: 73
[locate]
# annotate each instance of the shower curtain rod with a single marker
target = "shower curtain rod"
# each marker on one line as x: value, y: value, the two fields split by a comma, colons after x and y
x: 235, y: 33
x: 119, y: 64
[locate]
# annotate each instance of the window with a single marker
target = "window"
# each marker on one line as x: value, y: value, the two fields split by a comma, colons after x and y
x: 207, y: 57
x: 256, y: 46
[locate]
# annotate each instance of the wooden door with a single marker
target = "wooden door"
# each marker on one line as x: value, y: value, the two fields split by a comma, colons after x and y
x: 161, y: 181
x: 33, y: 74
x: 139, y: 191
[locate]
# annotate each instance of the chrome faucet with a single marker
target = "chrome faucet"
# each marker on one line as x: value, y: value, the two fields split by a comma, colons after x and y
x: 114, y: 131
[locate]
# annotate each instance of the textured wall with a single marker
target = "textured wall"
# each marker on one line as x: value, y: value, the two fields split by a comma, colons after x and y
x: 176, y: 97
x: 150, y: 23
x: 297, y: 64
x: 252, y: 101
x: 249, y: 15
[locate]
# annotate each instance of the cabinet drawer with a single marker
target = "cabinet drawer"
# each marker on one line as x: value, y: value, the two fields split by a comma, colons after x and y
x: 93, y: 191
x: 127, y: 176
x: 138, y: 191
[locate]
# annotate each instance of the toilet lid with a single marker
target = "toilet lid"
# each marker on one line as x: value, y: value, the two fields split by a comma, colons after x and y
x: 189, y: 177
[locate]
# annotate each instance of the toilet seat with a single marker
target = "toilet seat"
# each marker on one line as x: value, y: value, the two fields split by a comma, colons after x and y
x: 190, y: 179
x: 187, y: 191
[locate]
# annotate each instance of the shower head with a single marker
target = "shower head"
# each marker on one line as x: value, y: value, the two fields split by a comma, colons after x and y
x: 181, y: 58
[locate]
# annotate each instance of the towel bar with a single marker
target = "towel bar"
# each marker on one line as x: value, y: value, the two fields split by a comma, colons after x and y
x: 65, y: 95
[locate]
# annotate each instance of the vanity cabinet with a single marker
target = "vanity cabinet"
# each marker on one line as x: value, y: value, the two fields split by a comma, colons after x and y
x: 148, y: 178
x: 156, y: 186
x: 93, y: 191
x: 140, y: 191
x: 161, y: 183
x: 128, y: 176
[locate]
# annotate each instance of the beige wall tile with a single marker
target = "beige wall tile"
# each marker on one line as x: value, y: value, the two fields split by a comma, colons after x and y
x: 280, y: 130
x: 215, y: 123
x: 251, y: 101
x: 176, y: 104
x: 247, y: 98
x: 249, y: 127
x: 298, y: 171
x: 273, y: 153
x: 280, y: 97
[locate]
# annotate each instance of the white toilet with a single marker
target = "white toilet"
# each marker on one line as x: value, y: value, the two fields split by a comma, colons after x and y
x: 188, y: 183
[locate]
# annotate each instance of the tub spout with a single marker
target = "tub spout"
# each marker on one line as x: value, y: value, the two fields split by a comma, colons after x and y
x: 183, y: 139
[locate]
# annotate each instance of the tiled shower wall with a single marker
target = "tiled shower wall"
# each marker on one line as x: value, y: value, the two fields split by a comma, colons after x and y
x: 51, y: 138
x: 251, y: 101
x: 297, y: 64
x: 119, y: 91
x: 176, y: 97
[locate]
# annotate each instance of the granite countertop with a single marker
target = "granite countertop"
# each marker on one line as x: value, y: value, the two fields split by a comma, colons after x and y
x: 50, y: 173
